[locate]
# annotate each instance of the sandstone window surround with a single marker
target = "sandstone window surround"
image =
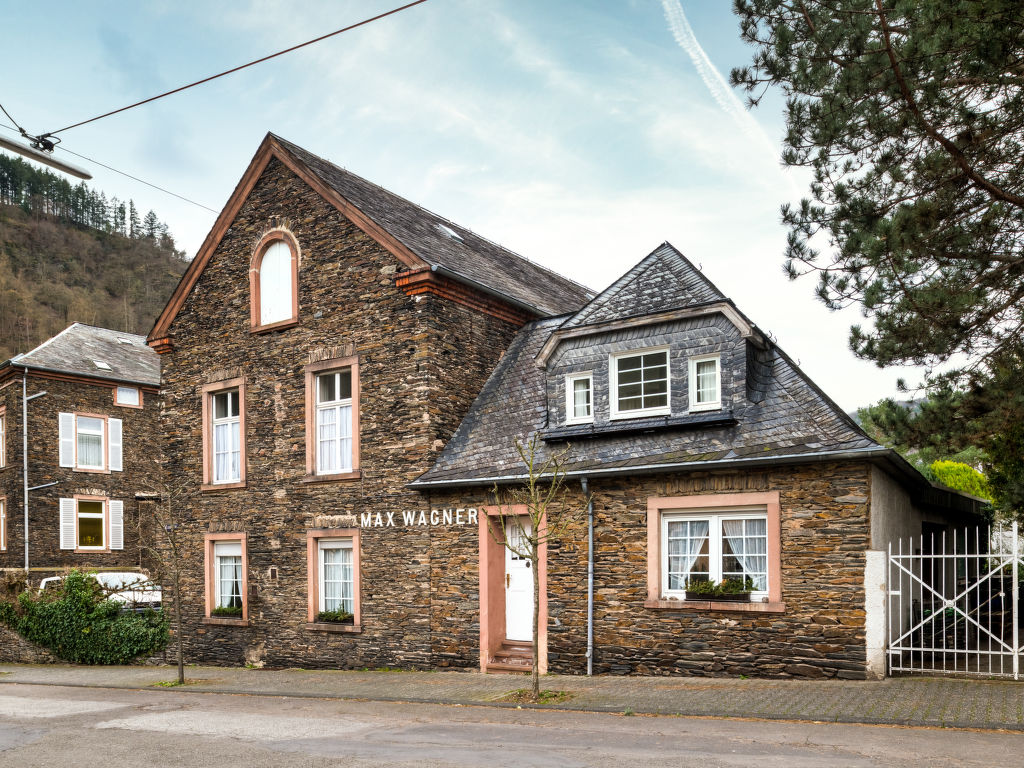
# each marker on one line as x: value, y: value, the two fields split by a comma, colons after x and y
x: 694, y: 534
x: 91, y: 524
x: 3, y: 524
x: 223, y: 414
x: 579, y: 398
x: 274, y: 282
x: 128, y: 397
x: 89, y: 442
x: 641, y: 383
x: 332, y: 420
x: 3, y: 436
x: 705, y: 383
x: 227, y: 579
x: 332, y: 563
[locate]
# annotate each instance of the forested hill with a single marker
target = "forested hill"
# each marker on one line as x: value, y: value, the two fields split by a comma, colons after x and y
x: 68, y: 254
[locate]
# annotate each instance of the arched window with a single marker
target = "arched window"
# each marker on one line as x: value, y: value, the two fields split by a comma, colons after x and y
x: 273, y: 282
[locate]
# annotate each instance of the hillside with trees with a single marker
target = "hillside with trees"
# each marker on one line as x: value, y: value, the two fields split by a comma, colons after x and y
x: 69, y: 254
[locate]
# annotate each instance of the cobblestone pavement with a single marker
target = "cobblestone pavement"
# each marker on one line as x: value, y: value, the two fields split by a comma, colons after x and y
x: 943, y: 702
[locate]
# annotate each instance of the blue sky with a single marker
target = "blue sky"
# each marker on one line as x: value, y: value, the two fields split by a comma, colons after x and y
x: 580, y: 134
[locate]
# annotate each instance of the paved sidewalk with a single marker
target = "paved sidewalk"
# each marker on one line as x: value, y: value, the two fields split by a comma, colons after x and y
x: 943, y: 702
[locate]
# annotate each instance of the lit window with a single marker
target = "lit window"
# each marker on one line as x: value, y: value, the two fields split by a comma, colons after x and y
x: 130, y: 396
x: 227, y: 449
x: 91, y: 524
x: 579, y: 398
x: 719, y: 547
x: 227, y: 578
x: 705, y: 383
x: 640, y: 383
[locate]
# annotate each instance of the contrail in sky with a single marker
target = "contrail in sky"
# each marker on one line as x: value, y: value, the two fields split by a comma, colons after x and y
x: 720, y: 90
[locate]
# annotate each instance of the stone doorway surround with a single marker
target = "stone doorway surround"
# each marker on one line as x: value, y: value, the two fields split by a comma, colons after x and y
x: 492, y: 592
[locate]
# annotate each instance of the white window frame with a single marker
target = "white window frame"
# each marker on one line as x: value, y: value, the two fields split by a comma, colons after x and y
x: 103, y: 441
x: 336, y: 543
x: 215, y: 422
x: 3, y: 525
x: 710, y: 405
x: 570, y: 399
x: 715, y: 538
x: 335, y: 405
x: 105, y: 508
x: 118, y: 400
x: 273, y: 285
x: 3, y: 437
x: 223, y: 545
x: 613, y: 378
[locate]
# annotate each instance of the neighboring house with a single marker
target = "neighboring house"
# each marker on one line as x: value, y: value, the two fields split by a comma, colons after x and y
x: 344, y: 377
x: 91, y: 395
x: 320, y: 350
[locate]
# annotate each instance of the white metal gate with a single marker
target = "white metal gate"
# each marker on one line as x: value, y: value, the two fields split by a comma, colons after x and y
x: 954, y: 603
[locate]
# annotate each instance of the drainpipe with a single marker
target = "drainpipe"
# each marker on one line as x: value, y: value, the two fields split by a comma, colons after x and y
x: 590, y: 575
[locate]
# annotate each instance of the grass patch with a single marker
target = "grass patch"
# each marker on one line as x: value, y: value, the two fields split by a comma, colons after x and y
x: 175, y: 683
x: 525, y: 696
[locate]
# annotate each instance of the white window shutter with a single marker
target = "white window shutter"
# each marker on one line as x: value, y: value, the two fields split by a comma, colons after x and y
x: 117, y: 525
x: 67, y: 523
x: 114, y: 444
x: 67, y: 439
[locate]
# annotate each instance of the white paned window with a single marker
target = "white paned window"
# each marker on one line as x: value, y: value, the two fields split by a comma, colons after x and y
x: 276, y: 284
x: 640, y: 383
x: 334, y: 422
x: 579, y: 398
x: 128, y: 396
x: 227, y: 435
x: 227, y: 575
x: 715, y: 547
x: 91, y: 520
x: 3, y: 439
x: 3, y: 524
x: 335, y: 573
x: 90, y: 440
x: 705, y: 383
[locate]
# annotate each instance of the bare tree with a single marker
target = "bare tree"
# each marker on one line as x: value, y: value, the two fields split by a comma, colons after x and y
x: 166, y: 552
x: 533, y: 514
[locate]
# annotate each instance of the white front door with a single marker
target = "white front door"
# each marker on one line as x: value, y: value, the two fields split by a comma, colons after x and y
x: 518, y: 589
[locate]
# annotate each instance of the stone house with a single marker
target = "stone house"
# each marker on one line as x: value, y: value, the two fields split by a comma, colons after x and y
x: 92, y: 405
x: 344, y: 375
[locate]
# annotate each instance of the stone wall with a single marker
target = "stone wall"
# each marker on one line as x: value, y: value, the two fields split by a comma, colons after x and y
x: 140, y: 460
x: 14, y: 649
x: 422, y: 359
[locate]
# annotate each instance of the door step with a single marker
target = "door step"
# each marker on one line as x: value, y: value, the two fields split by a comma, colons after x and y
x: 512, y: 657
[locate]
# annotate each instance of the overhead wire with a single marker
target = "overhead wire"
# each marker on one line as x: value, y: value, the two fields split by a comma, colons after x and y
x: 122, y: 173
x: 240, y: 67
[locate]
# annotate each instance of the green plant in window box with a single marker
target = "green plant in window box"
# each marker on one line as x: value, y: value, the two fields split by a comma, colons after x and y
x: 730, y: 590
x: 227, y: 611
x: 335, y: 617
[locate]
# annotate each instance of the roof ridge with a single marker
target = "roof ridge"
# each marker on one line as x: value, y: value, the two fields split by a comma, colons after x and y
x: 436, y: 215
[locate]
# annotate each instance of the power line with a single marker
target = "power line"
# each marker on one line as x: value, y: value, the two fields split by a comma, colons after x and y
x: 115, y: 170
x: 236, y: 69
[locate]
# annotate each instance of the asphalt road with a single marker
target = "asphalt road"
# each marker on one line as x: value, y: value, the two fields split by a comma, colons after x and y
x: 44, y: 726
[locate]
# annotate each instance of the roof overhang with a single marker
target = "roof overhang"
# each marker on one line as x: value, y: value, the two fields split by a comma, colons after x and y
x: 725, y: 308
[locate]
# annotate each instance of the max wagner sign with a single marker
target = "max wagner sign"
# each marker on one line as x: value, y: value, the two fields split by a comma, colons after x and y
x: 421, y: 517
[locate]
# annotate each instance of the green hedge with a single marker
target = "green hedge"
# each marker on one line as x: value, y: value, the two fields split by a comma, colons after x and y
x: 962, y: 477
x: 79, y: 624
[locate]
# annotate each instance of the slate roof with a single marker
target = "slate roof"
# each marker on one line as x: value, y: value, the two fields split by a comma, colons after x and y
x: 443, y: 243
x: 784, y: 416
x: 663, y: 280
x: 79, y: 347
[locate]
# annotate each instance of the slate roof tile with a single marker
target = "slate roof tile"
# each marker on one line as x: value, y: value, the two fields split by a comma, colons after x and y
x: 79, y: 347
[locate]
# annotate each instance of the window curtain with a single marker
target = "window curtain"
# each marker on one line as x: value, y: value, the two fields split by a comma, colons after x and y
x: 227, y: 452
x: 334, y: 452
x: 230, y: 582
x: 749, y: 547
x: 337, y: 576
x: 90, y: 450
x: 685, y: 541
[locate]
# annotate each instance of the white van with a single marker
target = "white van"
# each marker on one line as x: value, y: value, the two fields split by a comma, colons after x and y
x: 136, y: 590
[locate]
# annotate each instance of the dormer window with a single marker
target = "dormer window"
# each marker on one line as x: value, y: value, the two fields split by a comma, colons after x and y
x: 579, y: 398
x: 273, y: 282
x: 705, y: 383
x: 640, y: 383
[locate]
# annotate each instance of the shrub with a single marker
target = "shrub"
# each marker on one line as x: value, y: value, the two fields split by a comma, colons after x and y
x: 78, y: 624
x: 230, y: 611
x: 725, y: 587
x: 961, y: 477
x: 337, y: 617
